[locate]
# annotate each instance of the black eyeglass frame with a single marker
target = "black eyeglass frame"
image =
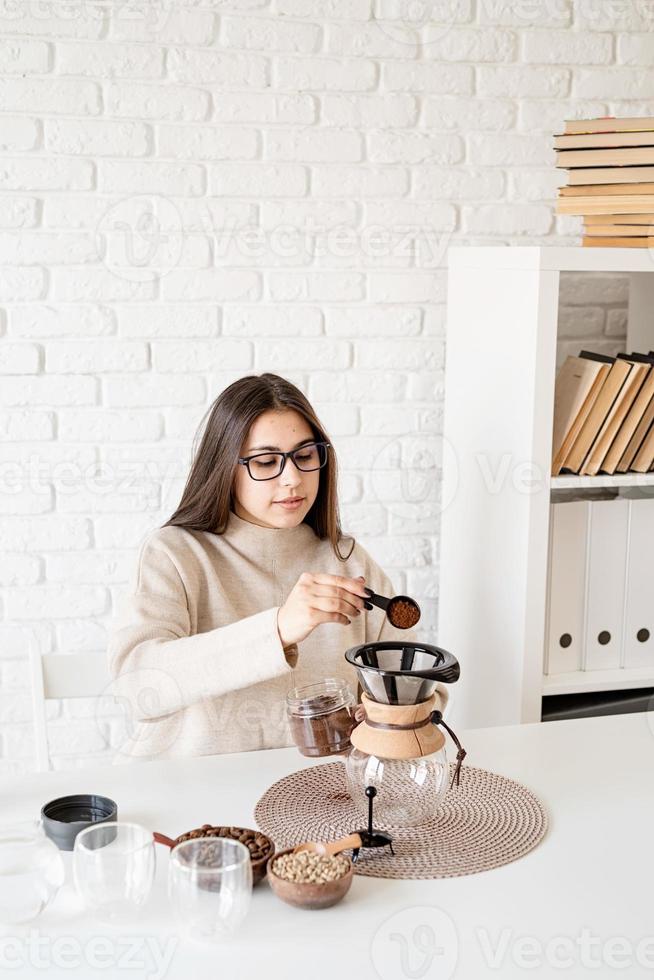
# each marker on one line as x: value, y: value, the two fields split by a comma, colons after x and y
x: 245, y: 460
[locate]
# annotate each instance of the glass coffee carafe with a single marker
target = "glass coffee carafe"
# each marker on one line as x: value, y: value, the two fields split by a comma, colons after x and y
x: 398, y: 746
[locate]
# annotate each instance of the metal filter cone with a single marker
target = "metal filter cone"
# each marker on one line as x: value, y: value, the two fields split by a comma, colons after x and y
x: 392, y: 672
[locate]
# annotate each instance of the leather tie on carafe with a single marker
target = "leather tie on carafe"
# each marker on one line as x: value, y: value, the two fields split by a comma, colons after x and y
x: 437, y: 718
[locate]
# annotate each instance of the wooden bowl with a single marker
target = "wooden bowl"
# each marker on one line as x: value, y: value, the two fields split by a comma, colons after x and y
x: 309, y: 894
x: 208, y: 831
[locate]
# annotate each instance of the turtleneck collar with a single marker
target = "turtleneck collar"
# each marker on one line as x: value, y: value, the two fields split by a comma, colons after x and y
x: 282, y: 541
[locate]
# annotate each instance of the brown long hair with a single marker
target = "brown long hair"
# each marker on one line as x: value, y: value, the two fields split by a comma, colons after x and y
x: 207, y: 495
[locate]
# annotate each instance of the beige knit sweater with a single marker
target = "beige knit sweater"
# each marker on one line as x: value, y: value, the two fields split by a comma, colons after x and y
x: 194, y: 648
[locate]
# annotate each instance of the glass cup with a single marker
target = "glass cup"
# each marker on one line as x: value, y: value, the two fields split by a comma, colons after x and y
x: 113, y: 868
x: 210, y: 886
x: 31, y: 872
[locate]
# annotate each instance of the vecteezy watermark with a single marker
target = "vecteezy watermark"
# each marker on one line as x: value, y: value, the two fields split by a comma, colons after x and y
x: 557, y: 12
x: 610, y: 12
x: 312, y: 240
x: 426, y: 22
x: 128, y: 479
x: 141, y: 237
x: 407, y: 474
x: 418, y: 943
x: 527, y: 12
x: 149, y: 695
x: 146, y: 695
x: 421, y: 943
x: 417, y: 22
x: 153, y: 13
x: 148, y: 955
x: 585, y: 951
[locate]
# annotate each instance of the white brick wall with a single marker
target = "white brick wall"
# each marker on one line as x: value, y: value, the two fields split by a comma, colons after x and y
x: 310, y: 164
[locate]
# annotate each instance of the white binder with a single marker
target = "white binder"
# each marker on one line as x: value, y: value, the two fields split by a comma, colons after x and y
x: 566, y: 587
x: 639, y: 609
x: 605, y: 583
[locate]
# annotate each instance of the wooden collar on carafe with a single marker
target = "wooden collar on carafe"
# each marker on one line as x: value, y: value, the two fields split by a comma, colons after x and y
x: 416, y: 716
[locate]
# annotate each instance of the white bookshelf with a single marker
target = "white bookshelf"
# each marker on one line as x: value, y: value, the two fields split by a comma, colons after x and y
x: 500, y: 372
x: 597, y: 680
x: 622, y: 481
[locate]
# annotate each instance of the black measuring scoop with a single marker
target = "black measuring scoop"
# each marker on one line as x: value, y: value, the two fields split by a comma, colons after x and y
x: 401, y: 611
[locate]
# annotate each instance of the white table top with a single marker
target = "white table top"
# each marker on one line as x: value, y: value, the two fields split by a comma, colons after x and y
x: 583, y: 896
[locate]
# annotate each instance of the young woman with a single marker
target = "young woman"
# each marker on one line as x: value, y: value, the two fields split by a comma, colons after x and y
x: 249, y: 589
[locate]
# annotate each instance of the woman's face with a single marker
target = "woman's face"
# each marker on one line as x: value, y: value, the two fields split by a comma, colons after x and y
x: 257, y: 501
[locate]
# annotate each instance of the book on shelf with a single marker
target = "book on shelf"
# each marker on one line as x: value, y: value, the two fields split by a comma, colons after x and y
x: 645, y: 455
x: 604, y: 414
x: 618, y: 373
x: 600, y: 204
x: 617, y: 241
x: 643, y: 460
x: 642, y: 408
x: 577, y: 386
x: 595, y: 176
x: 624, y: 156
x: 610, y: 124
x: 591, y: 190
x: 615, y: 228
x: 616, y: 416
x: 636, y: 441
x: 641, y: 431
x: 610, y: 168
x: 637, y: 227
x: 619, y: 219
x: 590, y: 141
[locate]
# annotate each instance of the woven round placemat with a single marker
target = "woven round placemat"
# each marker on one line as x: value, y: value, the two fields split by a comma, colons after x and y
x: 485, y: 822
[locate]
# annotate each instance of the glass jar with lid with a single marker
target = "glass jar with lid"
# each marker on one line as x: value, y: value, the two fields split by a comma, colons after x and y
x: 321, y: 717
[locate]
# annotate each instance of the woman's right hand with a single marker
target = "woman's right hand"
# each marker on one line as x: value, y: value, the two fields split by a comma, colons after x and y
x: 319, y: 598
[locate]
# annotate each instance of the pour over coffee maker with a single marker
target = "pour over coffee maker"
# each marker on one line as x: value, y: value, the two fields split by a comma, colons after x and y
x: 398, y: 747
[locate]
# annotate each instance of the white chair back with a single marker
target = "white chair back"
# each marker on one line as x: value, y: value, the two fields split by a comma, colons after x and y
x: 72, y: 675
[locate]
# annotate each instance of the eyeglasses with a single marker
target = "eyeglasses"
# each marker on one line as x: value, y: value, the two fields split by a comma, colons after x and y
x: 266, y: 466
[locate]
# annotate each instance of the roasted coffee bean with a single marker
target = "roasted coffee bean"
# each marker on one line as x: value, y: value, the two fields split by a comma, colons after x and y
x: 258, y: 845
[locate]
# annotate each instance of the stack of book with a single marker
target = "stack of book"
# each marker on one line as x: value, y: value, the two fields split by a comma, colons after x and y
x: 604, y: 414
x: 610, y: 164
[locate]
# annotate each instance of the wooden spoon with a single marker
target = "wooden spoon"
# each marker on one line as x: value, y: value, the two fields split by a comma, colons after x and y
x: 329, y: 847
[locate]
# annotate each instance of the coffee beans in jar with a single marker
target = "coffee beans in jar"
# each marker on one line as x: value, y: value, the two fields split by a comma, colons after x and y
x: 321, y: 717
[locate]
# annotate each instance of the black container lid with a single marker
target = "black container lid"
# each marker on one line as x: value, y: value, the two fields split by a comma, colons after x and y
x: 65, y: 817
